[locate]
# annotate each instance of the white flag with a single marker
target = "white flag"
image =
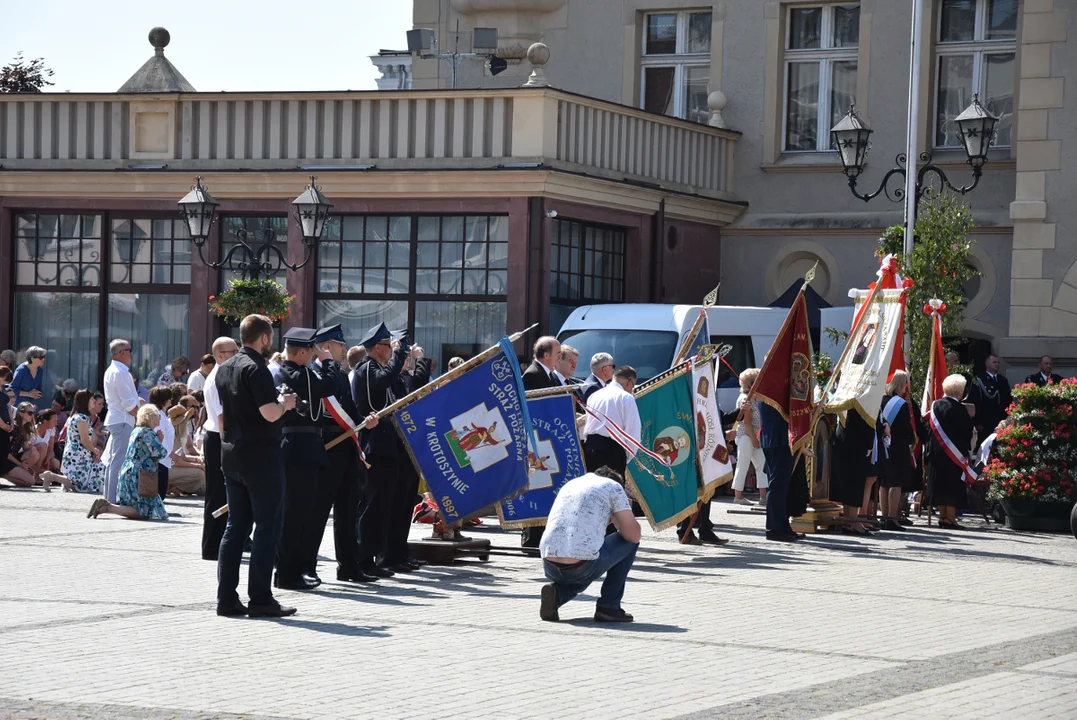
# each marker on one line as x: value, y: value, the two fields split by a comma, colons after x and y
x: 710, y: 439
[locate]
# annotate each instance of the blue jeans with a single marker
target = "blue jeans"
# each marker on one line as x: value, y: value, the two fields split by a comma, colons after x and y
x: 254, y: 498
x: 614, y: 559
x: 779, y: 476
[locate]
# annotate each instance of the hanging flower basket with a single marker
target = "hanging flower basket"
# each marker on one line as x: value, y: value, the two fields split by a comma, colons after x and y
x: 251, y: 297
x: 1034, y: 472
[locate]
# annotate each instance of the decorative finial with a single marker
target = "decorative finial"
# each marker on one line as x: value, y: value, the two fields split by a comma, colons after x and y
x: 159, y: 38
x: 716, y: 102
x: 811, y: 274
x: 712, y: 297
x: 538, y: 55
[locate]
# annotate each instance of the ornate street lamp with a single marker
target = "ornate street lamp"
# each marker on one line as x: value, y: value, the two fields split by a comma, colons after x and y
x: 255, y: 253
x: 851, y: 137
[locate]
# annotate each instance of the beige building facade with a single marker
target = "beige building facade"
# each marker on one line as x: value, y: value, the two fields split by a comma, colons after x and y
x: 781, y: 73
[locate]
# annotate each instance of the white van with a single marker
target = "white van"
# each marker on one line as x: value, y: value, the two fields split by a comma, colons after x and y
x: 646, y: 336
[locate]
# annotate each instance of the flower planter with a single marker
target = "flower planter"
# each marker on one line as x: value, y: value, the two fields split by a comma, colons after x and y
x: 1025, y: 514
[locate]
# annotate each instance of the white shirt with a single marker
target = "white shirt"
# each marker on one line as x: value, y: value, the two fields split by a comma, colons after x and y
x: 120, y: 395
x: 169, y: 440
x: 197, y: 381
x: 616, y: 404
x: 581, y: 511
x: 213, y: 402
x: 557, y: 374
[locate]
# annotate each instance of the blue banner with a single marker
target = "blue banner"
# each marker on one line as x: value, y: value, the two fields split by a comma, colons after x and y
x: 558, y: 458
x: 470, y: 438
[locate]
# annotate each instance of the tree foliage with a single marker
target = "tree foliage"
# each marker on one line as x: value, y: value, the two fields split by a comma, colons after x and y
x: 24, y: 76
x: 940, y: 267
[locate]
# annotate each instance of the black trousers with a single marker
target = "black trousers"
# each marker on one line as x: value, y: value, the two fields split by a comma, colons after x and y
x: 216, y: 496
x: 599, y: 450
x: 254, y: 499
x: 300, y: 492
x: 375, y: 507
x: 338, y: 490
x: 701, y: 523
x: 402, y: 504
x: 162, y: 480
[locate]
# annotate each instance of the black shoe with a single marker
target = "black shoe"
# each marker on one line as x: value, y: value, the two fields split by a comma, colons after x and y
x: 399, y: 568
x: 548, y: 608
x: 892, y: 524
x: 612, y: 615
x: 708, y: 537
x: 312, y: 577
x: 303, y: 582
x: 378, y: 572
x: 354, y: 575
x: 274, y: 610
x: 904, y: 521
x: 234, y: 609
x: 417, y: 563
x: 785, y: 537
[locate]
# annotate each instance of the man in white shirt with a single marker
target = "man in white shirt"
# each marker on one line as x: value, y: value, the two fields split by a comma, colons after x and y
x: 614, y: 401
x: 123, y: 403
x: 601, y: 374
x: 197, y: 380
x: 216, y: 496
x: 576, y: 550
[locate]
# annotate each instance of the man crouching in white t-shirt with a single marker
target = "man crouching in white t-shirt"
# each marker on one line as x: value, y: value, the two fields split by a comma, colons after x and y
x: 576, y: 550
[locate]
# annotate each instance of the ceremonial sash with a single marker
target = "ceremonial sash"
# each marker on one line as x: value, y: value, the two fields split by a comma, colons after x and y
x: 950, y: 449
x: 893, y: 407
x: 622, y: 438
x: 344, y: 420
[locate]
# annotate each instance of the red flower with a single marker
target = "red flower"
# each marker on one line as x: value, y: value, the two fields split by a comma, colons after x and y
x: 212, y: 297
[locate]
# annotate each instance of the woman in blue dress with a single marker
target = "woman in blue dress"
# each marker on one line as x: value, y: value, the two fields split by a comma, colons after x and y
x: 143, y: 453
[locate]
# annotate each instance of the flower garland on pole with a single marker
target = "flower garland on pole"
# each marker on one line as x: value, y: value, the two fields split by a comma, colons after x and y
x: 251, y: 297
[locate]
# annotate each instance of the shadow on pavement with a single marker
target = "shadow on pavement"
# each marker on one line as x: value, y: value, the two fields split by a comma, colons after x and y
x: 637, y: 627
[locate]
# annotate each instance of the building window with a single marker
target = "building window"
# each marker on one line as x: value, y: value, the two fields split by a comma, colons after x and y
x: 66, y: 325
x: 150, y: 251
x: 976, y: 49
x: 276, y: 226
x: 675, y: 64
x: 156, y: 325
x: 587, y: 267
x: 821, y: 45
x: 445, y: 278
x: 57, y: 250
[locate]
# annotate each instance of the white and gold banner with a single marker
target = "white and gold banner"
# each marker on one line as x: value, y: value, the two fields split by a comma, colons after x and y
x: 714, y: 465
x: 865, y: 364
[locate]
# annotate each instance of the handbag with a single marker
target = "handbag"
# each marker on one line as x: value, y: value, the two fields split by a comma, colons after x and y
x: 147, y: 484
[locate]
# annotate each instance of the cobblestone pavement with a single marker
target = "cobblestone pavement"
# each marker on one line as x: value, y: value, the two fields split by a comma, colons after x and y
x: 113, y: 618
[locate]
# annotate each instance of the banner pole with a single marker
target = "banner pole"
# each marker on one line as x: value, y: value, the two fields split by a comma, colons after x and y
x: 432, y: 385
x: 708, y: 302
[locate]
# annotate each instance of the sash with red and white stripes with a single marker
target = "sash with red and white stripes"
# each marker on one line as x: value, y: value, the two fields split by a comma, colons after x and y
x: 951, y: 450
x: 344, y: 420
x: 622, y: 438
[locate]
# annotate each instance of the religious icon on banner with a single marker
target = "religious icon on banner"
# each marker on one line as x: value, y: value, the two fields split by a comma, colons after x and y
x: 864, y: 342
x: 669, y: 444
x: 799, y: 376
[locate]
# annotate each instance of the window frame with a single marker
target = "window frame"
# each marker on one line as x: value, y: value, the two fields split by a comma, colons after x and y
x: 411, y: 298
x: 680, y: 60
x: 979, y: 47
x: 825, y: 57
x: 123, y: 287
x: 563, y: 225
x: 100, y: 264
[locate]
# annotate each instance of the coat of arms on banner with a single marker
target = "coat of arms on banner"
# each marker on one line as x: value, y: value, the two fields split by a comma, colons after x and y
x: 543, y: 464
x: 479, y: 438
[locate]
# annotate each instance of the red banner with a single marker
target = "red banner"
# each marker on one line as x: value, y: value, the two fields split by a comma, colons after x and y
x: 786, y: 382
x: 936, y: 368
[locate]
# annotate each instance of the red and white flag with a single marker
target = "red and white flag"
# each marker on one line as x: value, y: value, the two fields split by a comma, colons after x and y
x: 344, y: 420
x: 936, y: 367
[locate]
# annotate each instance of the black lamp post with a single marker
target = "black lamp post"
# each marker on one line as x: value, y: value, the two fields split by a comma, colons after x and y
x: 852, y: 139
x: 255, y: 253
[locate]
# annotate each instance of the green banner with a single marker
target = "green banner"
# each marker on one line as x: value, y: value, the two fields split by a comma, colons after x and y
x: 667, y: 493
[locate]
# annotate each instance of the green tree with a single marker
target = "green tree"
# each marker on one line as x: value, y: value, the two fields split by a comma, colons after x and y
x: 939, y: 265
x: 24, y: 76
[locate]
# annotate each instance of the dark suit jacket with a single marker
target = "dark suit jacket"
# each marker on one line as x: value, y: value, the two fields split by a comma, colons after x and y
x: 593, y: 386
x: 1037, y: 379
x: 535, y: 377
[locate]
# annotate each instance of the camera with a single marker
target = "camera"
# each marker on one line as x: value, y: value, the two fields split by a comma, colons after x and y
x: 301, y: 406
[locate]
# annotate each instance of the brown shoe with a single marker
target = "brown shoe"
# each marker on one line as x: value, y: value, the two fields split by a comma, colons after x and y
x: 97, y: 508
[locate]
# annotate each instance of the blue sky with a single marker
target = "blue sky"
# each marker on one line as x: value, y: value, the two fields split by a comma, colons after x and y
x: 219, y: 45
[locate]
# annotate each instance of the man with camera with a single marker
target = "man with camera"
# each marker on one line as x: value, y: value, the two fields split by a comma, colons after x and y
x: 251, y: 461
x: 303, y: 453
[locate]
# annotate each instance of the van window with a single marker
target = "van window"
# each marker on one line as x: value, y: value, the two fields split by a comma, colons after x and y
x: 741, y: 355
x: 648, y: 351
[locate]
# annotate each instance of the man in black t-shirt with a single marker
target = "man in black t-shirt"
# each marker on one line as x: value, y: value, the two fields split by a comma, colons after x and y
x: 254, y: 477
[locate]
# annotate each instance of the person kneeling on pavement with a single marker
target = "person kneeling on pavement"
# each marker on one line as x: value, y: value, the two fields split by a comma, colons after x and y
x: 576, y: 550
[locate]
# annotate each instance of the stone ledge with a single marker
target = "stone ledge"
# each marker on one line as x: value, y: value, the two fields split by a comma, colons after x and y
x: 1028, y: 210
x: 1044, y: 27
x: 1038, y: 93
x: 1032, y: 292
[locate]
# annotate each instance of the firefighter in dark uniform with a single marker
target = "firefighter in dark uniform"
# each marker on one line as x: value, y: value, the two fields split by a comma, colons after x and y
x: 372, y: 391
x: 340, y: 480
x: 303, y: 453
x: 406, y: 490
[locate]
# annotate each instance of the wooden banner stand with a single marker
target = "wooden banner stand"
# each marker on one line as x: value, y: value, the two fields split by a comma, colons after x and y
x: 436, y: 551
